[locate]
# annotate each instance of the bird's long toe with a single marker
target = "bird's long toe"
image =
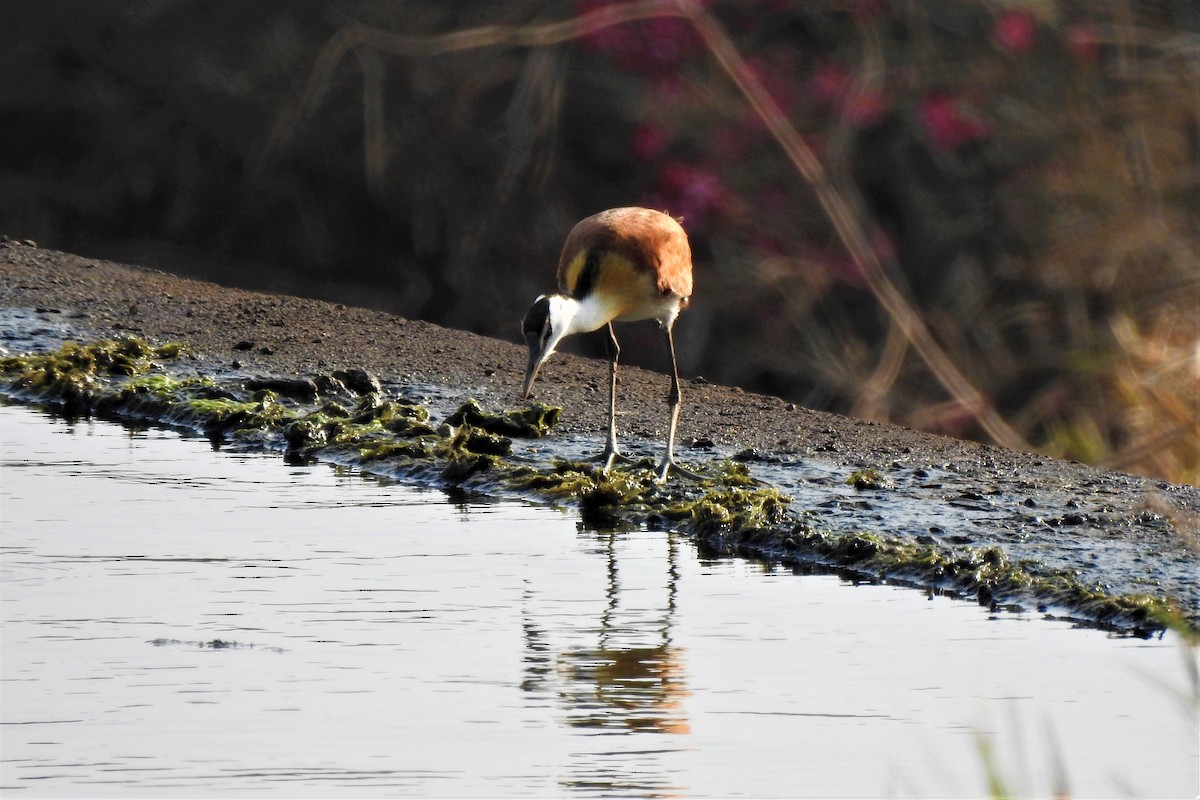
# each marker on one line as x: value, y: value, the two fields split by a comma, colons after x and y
x: 611, y: 455
x: 670, y: 464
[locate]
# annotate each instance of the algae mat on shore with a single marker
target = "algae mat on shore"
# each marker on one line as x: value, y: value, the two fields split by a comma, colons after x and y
x: 347, y: 417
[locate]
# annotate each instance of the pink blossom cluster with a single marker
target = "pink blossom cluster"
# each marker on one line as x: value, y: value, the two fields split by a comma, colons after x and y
x: 946, y: 124
x: 654, y: 46
x: 1015, y: 32
x: 710, y: 168
x: 694, y: 192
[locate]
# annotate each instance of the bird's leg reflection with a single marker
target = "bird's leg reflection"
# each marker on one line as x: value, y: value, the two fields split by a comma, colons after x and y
x: 632, y: 678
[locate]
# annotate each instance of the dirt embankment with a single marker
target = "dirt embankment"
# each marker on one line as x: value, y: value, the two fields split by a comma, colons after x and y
x: 1110, y: 533
x: 289, y: 335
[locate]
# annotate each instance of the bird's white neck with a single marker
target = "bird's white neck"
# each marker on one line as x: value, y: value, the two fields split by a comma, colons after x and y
x: 578, y: 316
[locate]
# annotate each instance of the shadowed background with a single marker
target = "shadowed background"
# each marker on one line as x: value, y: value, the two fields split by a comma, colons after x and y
x: 1028, y: 171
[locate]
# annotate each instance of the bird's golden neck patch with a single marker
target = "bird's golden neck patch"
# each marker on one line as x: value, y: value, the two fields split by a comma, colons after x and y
x: 581, y: 274
x: 606, y: 273
x: 610, y: 286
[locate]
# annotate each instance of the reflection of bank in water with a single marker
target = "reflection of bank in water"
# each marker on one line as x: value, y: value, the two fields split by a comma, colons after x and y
x: 623, y: 673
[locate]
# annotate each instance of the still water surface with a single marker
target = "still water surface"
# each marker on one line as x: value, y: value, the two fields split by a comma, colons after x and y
x: 179, y: 622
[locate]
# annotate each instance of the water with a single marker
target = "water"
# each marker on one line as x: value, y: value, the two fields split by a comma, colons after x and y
x: 179, y: 622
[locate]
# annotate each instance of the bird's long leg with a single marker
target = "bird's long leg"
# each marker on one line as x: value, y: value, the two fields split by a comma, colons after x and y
x: 675, y: 399
x: 611, y: 453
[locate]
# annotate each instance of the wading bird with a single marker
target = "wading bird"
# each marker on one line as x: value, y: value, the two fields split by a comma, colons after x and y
x: 621, y: 265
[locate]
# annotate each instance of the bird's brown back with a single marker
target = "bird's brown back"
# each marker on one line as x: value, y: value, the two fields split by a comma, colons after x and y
x: 652, y: 242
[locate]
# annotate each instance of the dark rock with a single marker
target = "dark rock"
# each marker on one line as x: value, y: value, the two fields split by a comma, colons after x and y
x: 358, y: 381
x: 296, y: 388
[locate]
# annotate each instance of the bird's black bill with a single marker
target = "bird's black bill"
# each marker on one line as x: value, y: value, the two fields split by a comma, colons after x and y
x: 536, y: 329
x: 531, y: 370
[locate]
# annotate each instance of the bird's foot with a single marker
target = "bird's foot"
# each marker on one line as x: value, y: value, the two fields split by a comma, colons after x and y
x: 669, y: 463
x: 610, y: 455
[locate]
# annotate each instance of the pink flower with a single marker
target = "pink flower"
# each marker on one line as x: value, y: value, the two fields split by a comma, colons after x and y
x: 832, y: 84
x: 669, y: 41
x: 690, y: 191
x: 612, y: 41
x: 648, y: 141
x: 776, y: 76
x: 829, y: 82
x: 883, y: 244
x: 1015, y: 32
x: 866, y: 108
x: 945, y: 125
x: 656, y: 45
x: 1084, y: 41
x: 845, y: 270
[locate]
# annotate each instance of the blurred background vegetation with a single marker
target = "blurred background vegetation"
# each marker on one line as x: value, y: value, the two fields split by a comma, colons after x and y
x: 1028, y: 172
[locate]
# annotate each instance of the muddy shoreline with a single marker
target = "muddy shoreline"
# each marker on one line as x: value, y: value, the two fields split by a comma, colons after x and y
x: 1118, y: 533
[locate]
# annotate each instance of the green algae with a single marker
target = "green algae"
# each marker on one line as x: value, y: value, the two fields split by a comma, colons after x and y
x: 727, y: 510
x: 616, y: 497
x: 473, y: 440
x: 867, y: 479
x: 727, y: 501
x: 731, y: 510
x: 983, y: 573
x: 397, y: 416
x: 468, y: 450
x: 731, y: 473
x: 573, y: 480
x: 387, y: 450
x: 605, y: 500
x: 128, y: 356
x: 220, y: 415
x: 157, y: 396
x: 531, y: 422
x: 71, y: 376
x: 376, y: 427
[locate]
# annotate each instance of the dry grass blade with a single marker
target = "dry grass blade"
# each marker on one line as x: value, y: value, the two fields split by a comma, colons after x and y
x: 852, y: 234
x: 360, y: 38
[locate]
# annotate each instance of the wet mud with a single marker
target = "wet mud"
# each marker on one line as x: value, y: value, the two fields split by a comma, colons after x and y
x: 421, y: 403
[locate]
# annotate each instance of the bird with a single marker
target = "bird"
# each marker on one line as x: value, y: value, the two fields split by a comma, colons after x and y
x: 621, y: 265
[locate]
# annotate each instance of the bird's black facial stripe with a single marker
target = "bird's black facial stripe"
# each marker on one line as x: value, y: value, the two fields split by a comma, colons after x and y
x: 587, y: 275
x: 536, y: 324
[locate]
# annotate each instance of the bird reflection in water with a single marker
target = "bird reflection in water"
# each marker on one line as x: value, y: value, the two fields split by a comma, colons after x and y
x: 632, y: 678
